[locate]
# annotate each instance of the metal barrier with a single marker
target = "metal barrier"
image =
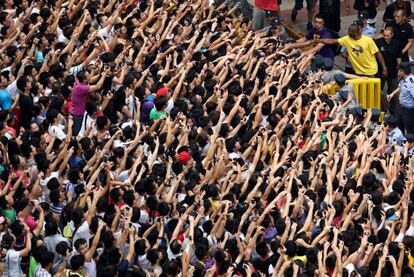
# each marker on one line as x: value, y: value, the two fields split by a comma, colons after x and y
x: 368, y: 92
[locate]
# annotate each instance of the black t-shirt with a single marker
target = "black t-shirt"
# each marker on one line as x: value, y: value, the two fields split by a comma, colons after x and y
x: 402, y: 32
x: 391, y: 52
x: 391, y: 8
x: 261, y: 265
x: 26, y: 110
x: 368, y: 5
x: 329, y: 5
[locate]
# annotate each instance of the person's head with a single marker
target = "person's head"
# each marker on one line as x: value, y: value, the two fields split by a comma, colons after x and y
x: 318, y: 22
x: 8, y: 240
x: 77, y: 262
x: 51, y: 228
x: 355, y: 31
x: 363, y: 16
x: 404, y: 69
x: 62, y: 248
x: 388, y: 34
x: 6, y: 202
x: 82, y: 76
x: 23, y: 84
x: 270, y: 15
x: 160, y: 102
x: 400, y: 16
x: 81, y: 246
x: 340, y: 79
x: 47, y: 259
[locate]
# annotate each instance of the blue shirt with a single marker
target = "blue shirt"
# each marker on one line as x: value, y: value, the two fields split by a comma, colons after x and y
x: 369, y: 31
x: 6, y: 101
x: 396, y: 135
x: 407, y: 92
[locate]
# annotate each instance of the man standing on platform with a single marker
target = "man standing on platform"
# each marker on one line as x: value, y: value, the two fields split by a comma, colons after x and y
x: 362, y: 52
x: 405, y: 112
x: 390, y: 50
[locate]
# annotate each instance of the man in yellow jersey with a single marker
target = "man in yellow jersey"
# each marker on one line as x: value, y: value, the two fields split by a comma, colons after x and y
x: 362, y: 51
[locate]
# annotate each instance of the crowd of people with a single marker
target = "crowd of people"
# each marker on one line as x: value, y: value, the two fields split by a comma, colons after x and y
x: 191, y: 138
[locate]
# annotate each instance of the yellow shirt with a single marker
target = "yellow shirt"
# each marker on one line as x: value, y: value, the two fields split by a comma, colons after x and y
x: 361, y: 54
x: 410, y: 260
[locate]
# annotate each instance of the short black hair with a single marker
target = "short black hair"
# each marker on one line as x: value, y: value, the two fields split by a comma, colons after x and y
x: 47, y: 258
x: 77, y: 261
x: 81, y: 76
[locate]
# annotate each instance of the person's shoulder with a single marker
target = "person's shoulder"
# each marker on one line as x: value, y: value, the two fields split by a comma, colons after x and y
x: 13, y: 254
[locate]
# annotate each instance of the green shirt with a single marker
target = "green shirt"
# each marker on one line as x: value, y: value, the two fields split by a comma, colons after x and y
x: 154, y: 114
x: 10, y: 214
x: 33, y: 265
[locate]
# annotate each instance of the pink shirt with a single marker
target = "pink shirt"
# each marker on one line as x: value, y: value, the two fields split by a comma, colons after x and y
x: 79, y: 95
x: 30, y: 221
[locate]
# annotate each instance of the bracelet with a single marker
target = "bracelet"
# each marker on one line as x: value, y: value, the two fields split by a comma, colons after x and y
x: 367, y: 253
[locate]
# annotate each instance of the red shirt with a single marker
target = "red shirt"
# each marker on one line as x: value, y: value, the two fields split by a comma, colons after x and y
x: 269, y: 5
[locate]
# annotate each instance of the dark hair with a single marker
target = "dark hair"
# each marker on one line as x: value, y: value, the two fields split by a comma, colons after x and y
x: 22, y: 83
x: 77, y: 261
x: 79, y: 242
x: 81, y: 76
x: 319, y: 16
x: 51, y: 228
x: 62, y: 248
x: 47, y: 258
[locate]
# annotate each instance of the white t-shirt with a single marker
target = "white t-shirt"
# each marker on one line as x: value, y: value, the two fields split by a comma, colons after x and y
x: 82, y: 232
x: 106, y: 33
x: 57, y: 130
x: 86, y: 123
x: 43, y: 185
x: 12, y: 264
x: 12, y: 89
x: 170, y: 105
x: 90, y: 268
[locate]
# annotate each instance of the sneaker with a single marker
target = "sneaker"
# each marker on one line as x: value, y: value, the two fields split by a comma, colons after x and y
x: 309, y: 26
x: 293, y: 15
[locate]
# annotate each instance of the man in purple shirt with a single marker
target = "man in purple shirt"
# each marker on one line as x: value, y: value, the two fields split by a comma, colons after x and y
x: 79, y: 95
x: 317, y: 32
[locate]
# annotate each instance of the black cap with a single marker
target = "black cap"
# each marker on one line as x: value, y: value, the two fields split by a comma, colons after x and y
x: 317, y: 63
x: 340, y: 78
x: 404, y: 65
x: 375, y: 114
x: 343, y: 94
x: 391, y: 120
x: 363, y: 15
x: 328, y: 63
x: 409, y: 137
x: 357, y: 111
x: 276, y: 22
x: 359, y: 22
x: 271, y: 13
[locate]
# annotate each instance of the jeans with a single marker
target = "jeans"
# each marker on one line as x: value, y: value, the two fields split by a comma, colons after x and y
x: 259, y: 19
x: 77, y: 124
x: 246, y: 9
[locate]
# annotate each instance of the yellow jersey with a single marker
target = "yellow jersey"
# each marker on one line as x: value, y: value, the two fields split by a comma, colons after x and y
x: 361, y: 54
